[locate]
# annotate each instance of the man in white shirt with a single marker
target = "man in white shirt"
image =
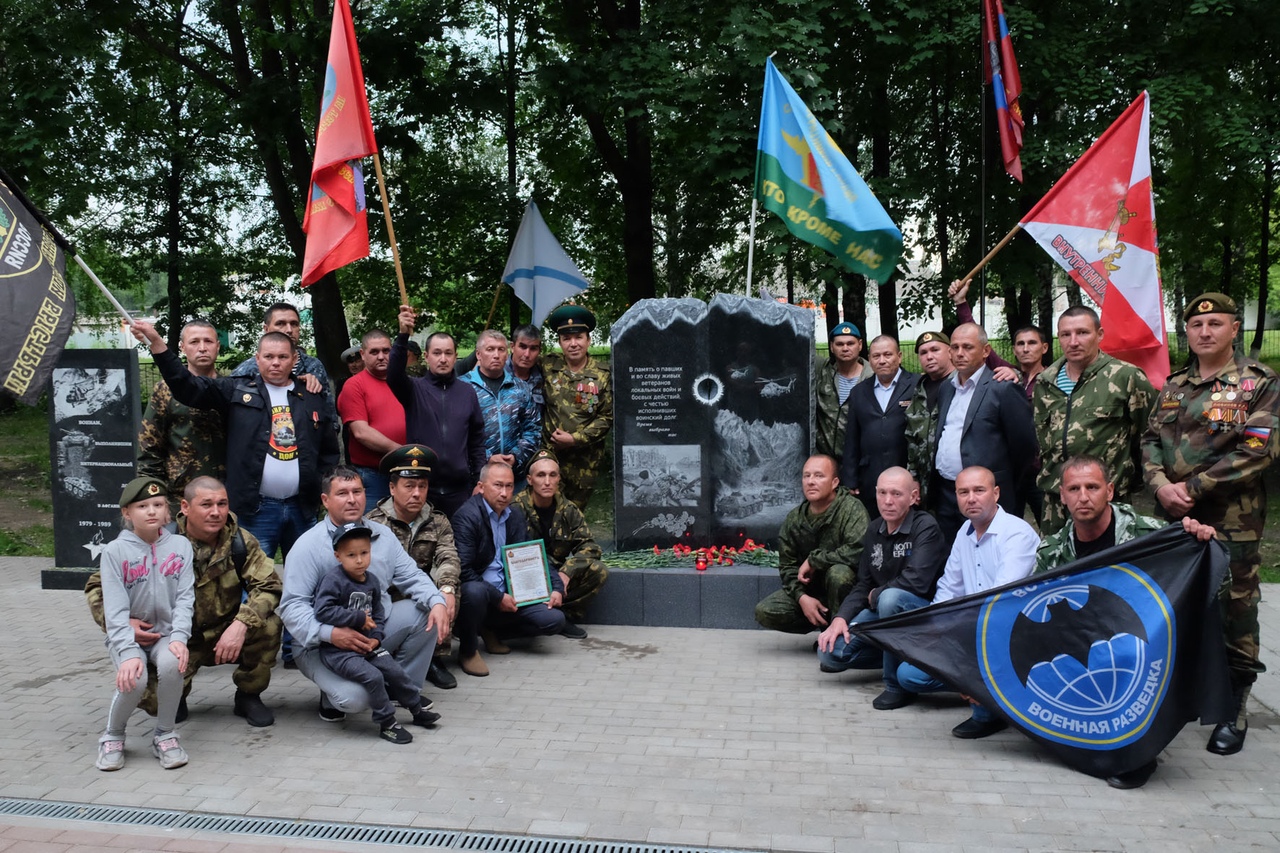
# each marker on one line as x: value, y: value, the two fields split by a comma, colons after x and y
x: 993, y: 548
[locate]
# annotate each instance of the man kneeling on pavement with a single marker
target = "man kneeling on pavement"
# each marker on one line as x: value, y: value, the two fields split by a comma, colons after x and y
x: 237, y: 591
x: 412, y: 625
x: 573, y: 554
x: 425, y: 533
x: 992, y: 548
x: 818, y: 547
x: 1095, y: 523
x: 482, y: 527
x: 903, y: 555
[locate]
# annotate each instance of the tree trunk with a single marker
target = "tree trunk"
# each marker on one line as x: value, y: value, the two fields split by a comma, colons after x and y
x: 173, y: 193
x: 855, y: 300
x: 1264, y: 255
x: 287, y: 179
x: 173, y: 228
x: 509, y: 130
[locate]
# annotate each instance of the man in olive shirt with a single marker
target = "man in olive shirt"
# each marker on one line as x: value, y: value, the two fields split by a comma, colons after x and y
x: 570, y: 548
x: 818, y: 549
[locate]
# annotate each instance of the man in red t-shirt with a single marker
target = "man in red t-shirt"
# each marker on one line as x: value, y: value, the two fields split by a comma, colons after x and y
x: 372, y: 415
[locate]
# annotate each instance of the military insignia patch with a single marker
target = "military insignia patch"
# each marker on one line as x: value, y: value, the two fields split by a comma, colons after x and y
x: 1256, y: 437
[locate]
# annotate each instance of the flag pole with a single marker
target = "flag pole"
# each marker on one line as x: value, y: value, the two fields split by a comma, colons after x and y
x: 497, y: 291
x: 755, y: 206
x: 103, y: 288
x: 982, y: 263
x: 391, y: 231
x: 61, y: 241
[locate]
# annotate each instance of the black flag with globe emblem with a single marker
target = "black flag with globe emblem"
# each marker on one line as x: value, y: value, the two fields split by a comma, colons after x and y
x: 1102, y: 661
x: 36, y: 304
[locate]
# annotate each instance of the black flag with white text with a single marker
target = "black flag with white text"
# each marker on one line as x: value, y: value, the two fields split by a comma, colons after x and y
x: 1102, y: 661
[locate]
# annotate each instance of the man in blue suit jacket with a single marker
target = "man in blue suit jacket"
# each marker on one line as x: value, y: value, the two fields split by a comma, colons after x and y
x: 482, y: 526
x: 980, y: 422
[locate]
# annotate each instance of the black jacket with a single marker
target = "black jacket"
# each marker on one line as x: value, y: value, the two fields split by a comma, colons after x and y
x: 998, y: 433
x: 874, y: 440
x: 444, y: 414
x: 474, y: 539
x: 246, y: 407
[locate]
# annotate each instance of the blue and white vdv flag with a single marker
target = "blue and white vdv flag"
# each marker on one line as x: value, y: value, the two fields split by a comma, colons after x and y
x: 538, y: 269
x: 1102, y: 661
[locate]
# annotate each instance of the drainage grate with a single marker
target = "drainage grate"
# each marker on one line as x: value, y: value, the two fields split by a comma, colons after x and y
x: 489, y: 842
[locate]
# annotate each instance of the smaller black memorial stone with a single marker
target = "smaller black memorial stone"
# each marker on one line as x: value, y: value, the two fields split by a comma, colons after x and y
x: 663, y: 402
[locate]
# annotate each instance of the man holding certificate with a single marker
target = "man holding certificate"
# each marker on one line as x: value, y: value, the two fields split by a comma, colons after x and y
x: 507, y: 588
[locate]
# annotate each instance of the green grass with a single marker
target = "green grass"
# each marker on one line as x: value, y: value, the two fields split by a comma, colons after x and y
x: 35, y: 541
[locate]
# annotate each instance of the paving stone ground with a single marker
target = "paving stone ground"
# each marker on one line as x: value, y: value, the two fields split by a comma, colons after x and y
x: 663, y: 735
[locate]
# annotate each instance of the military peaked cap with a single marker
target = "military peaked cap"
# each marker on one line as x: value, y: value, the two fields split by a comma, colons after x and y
x: 572, y: 318
x: 411, y: 460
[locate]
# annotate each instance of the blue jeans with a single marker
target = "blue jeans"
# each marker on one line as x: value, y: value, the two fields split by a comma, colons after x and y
x: 913, y: 679
x: 377, y: 487
x: 277, y: 523
x: 860, y: 653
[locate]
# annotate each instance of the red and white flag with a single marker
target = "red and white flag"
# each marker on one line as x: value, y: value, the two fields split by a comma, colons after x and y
x: 336, y: 223
x: 1099, y: 224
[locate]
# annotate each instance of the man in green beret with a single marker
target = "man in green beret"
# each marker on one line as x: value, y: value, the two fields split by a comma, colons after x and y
x: 837, y: 376
x: 933, y: 349
x: 578, y: 403
x: 424, y: 532
x: 1210, y: 438
x: 564, y: 532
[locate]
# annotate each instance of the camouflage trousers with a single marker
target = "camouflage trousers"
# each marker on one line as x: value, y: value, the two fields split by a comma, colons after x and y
x: 778, y: 611
x: 1238, y: 599
x: 586, y: 577
x: 253, y: 669
x: 579, y: 470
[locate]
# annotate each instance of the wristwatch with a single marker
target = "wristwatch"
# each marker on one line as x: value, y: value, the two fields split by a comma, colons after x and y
x: 449, y: 589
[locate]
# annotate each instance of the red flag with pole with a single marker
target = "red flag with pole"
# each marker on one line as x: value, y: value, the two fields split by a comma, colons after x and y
x: 336, y: 224
x: 1000, y: 69
x: 1099, y: 224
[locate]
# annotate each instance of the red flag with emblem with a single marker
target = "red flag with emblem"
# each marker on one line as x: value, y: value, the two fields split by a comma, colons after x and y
x: 1000, y: 69
x: 1099, y: 224
x: 336, y: 224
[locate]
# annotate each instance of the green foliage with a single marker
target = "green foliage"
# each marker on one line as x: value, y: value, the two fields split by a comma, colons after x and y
x: 634, y: 126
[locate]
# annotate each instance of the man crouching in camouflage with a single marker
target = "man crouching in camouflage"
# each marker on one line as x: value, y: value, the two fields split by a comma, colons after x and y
x: 1211, y: 436
x: 564, y: 532
x: 424, y: 532
x: 237, y: 591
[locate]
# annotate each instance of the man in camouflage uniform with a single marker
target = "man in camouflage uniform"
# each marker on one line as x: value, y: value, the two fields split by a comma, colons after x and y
x: 1088, y: 404
x: 934, y: 351
x: 1095, y: 521
x: 424, y: 533
x: 819, y: 547
x: 1211, y: 436
x: 178, y: 443
x: 237, y: 591
x: 570, y: 549
x: 834, y: 381
x: 579, y: 404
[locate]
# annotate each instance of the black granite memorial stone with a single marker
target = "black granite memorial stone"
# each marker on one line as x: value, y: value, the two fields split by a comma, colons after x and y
x: 659, y: 360
x: 94, y: 411
x: 763, y: 423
